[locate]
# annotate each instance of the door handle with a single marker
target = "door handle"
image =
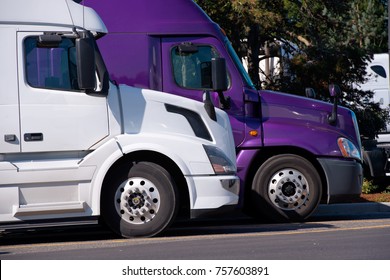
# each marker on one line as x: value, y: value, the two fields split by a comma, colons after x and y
x: 29, y: 137
x: 10, y: 138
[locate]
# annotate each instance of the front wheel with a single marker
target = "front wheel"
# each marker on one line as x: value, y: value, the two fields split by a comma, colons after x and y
x: 285, y: 188
x: 140, y: 203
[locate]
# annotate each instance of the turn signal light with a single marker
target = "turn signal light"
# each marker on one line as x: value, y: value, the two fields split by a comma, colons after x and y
x: 253, y: 133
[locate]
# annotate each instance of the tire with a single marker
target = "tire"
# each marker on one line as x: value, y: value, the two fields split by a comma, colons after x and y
x: 286, y: 188
x: 141, y: 203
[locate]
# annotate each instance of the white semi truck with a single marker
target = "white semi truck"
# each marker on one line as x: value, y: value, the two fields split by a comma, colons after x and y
x: 376, y: 152
x: 76, y: 147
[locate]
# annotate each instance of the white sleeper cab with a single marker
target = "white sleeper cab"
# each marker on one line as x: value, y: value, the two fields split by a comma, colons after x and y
x: 75, y: 146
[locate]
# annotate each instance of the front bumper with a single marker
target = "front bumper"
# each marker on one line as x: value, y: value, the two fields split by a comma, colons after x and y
x: 211, y: 194
x: 344, y: 179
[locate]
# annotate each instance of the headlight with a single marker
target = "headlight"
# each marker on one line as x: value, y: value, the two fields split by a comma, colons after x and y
x: 220, y: 162
x: 348, y: 149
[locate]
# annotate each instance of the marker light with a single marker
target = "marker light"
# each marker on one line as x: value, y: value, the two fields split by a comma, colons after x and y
x: 253, y: 133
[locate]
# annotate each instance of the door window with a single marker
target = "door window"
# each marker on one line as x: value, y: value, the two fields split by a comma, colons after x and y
x: 191, y: 67
x: 380, y: 70
x: 51, y: 67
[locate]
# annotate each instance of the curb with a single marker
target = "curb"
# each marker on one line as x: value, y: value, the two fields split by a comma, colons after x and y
x: 353, y: 208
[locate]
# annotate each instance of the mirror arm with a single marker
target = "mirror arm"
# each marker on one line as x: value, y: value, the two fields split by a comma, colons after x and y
x: 225, y: 101
x: 335, y: 92
x: 209, y: 106
x: 332, y: 118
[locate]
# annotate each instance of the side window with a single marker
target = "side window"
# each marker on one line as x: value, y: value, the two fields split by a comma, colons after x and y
x: 378, y: 69
x: 191, y: 69
x: 51, y: 67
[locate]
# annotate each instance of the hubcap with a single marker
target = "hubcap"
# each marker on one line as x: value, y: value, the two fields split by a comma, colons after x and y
x: 137, y: 200
x: 288, y: 189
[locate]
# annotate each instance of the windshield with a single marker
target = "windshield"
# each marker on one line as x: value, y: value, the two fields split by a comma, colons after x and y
x: 244, y: 75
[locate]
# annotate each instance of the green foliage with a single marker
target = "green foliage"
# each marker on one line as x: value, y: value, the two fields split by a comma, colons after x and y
x: 325, y: 41
x: 371, y: 119
x: 249, y: 24
x: 369, y: 187
x: 368, y: 26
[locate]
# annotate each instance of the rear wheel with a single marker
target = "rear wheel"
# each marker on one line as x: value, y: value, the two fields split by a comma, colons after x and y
x: 140, y: 203
x: 285, y: 188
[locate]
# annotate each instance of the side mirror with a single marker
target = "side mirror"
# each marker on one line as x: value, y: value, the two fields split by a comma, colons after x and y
x: 310, y: 93
x: 187, y: 48
x: 205, y: 71
x: 86, y: 64
x: 218, y: 74
x: 220, y: 81
x: 49, y: 40
x: 334, y: 90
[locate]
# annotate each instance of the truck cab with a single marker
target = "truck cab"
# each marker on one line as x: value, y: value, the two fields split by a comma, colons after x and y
x: 376, y: 152
x: 78, y: 148
x: 290, y: 156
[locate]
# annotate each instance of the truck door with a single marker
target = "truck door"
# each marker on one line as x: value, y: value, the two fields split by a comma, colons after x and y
x: 182, y: 75
x: 54, y: 114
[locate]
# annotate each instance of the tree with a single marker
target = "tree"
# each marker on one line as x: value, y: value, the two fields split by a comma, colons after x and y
x: 243, y: 21
x: 324, y: 41
x: 340, y: 37
x: 368, y: 24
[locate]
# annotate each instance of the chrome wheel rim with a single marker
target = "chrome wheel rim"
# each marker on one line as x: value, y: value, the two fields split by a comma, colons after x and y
x: 288, y: 189
x: 137, y: 200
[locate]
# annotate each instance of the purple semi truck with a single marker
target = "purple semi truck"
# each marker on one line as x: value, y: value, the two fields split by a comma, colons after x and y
x: 292, y: 152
